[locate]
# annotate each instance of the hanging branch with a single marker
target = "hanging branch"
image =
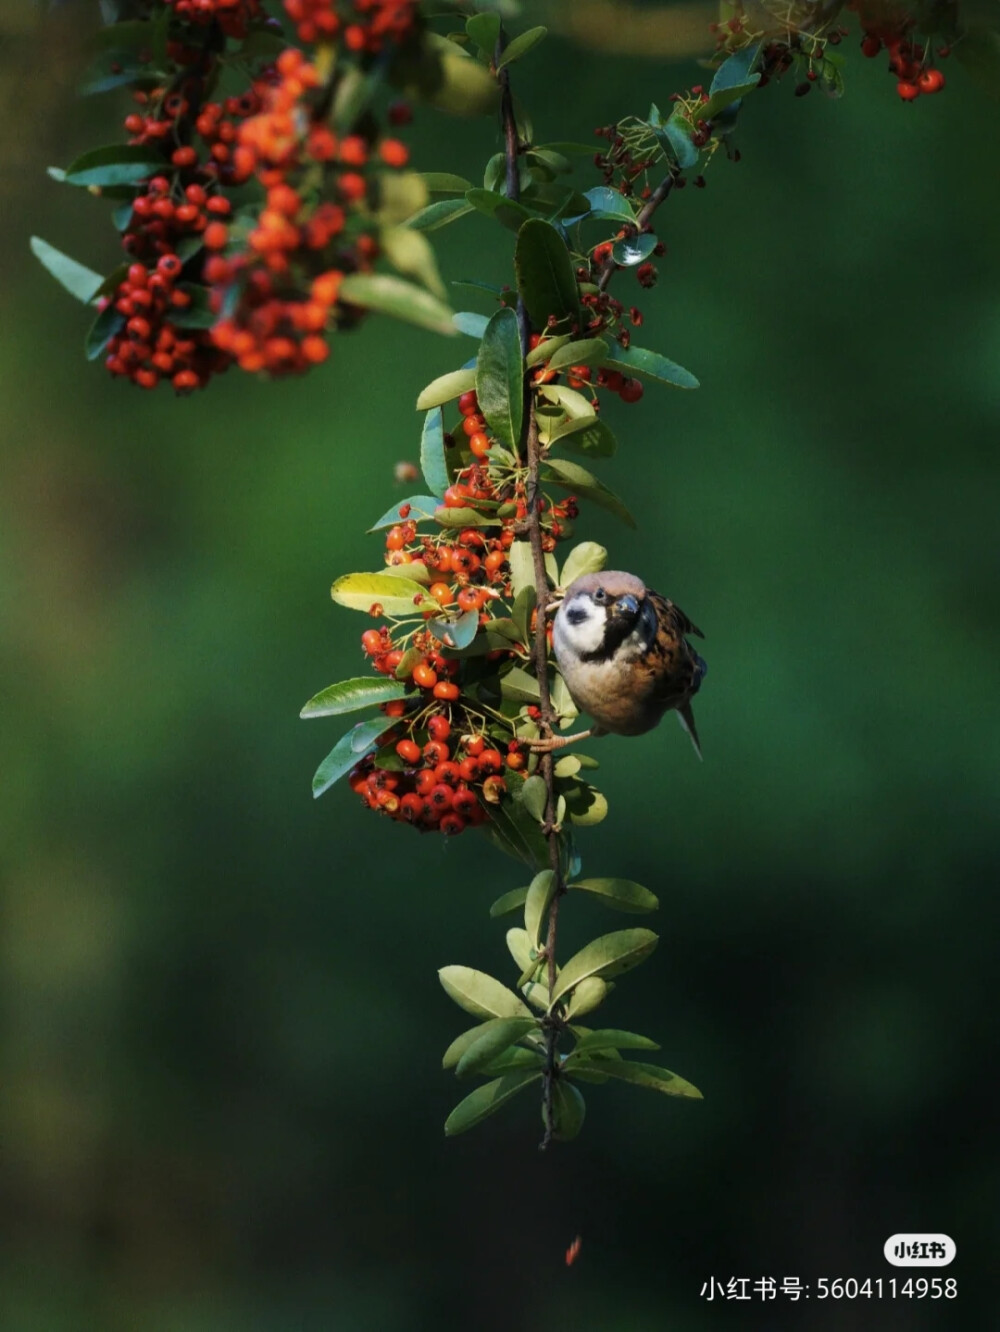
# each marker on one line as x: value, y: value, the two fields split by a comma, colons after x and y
x: 530, y: 450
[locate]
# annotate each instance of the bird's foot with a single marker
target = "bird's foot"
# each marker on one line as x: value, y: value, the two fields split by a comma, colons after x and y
x: 546, y: 744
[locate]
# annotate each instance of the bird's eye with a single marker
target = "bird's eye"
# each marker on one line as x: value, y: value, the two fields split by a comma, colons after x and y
x: 600, y: 595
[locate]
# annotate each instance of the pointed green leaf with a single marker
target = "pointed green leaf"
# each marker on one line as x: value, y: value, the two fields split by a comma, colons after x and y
x: 444, y: 182
x: 562, y: 702
x: 486, y: 1099
x: 508, y: 902
x: 492, y: 1041
x: 735, y: 71
x: 574, y: 404
x: 588, y: 995
x: 610, y: 955
x: 492, y: 203
x: 394, y: 594
x: 587, y: 486
x: 518, y: 684
x: 639, y: 361
x: 499, y: 378
x: 479, y: 994
x: 611, y: 1039
x: 727, y: 97
x: 117, y: 164
x: 419, y: 506
x: 620, y: 893
x: 585, y: 351
x: 484, y: 29
x: 456, y: 633
x: 472, y: 325
x: 433, y: 463
x: 534, y: 796
x: 568, y: 1109
x: 645, y: 1075
x: 414, y: 572
x: 608, y: 203
x: 587, y: 806
x: 521, y: 612
x: 350, y: 696
x: 511, y: 1060
x: 521, y: 45
x: 411, y: 254
x: 446, y: 388
x: 438, y: 215
x: 541, y: 890
x: 461, y: 1043
x: 398, y: 298
x: 106, y: 326
x: 545, y: 275
x: 519, y: 947
x: 349, y: 750
x: 588, y: 436
x: 587, y: 557
x: 522, y: 566
x: 678, y: 131
x: 81, y: 282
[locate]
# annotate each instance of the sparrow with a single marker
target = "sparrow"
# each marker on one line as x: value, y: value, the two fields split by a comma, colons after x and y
x: 623, y: 652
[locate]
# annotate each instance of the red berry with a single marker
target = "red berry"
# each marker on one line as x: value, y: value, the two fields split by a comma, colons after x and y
x: 439, y: 727
x: 468, y: 403
x: 452, y: 824
x: 871, y: 45
x: 456, y: 497
x: 371, y: 641
x: 931, y: 81
x: 631, y: 390
x: 444, y: 689
x: 436, y: 751
x: 408, y: 751
x: 424, y: 676
x: 908, y: 91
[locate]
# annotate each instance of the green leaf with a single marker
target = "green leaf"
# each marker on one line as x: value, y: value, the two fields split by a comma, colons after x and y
x: 519, y: 947
x: 500, y: 378
x: 546, y: 349
x: 521, y: 45
x: 524, y: 604
x: 433, y: 463
x: 522, y: 566
x: 493, y: 204
x: 497, y: 1037
x: 587, y: 486
x: 438, y: 71
x: 568, y: 1110
x: 678, y: 132
x: 362, y: 590
x: 349, y: 750
x: 118, y: 164
x: 464, y: 518
x: 587, y: 806
x: 445, y: 389
x: 574, y: 404
x: 610, y: 955
x: 638, y: 361
x: 646, y: 1075
x: 588, y: 995
x: 518, y: 684
x: 587, y: 557
x: 479, y: 994
x: 444, y: 182
x: 633, y: 250
x: 608, y: 203
x: 107, y: 324
x: 484, y: 29
x: 534, y: 797
x: 562, y: 701
x: 586, y: 351
x: 416, y: 572
x: 350, y: 695
x: 508, y: 902
x: 398, y: 298
x: 588, y: 436
x: 456, y: 633
x: 438, y: 215
x: 486, y: 1099
x: 461, y: 1043
x: 472, y: 325
x: 545, y: 276
x: 411, y: 254
x: 610, y: 1039
x: 735, y: 72
x: 541, y: 890
x: 81, y: 282
x: 420, y: 506
x: 622, y: 894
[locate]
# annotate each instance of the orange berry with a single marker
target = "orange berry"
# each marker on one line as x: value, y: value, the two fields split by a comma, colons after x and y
x: 424, y: 676
x: 444, y: 689
x: 442, y: 594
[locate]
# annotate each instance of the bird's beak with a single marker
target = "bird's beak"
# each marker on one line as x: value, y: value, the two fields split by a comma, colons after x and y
x: 627, y: 605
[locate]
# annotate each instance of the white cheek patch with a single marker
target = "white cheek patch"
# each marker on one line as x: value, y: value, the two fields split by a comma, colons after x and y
x: 583, y: 638
x: 636, y: 645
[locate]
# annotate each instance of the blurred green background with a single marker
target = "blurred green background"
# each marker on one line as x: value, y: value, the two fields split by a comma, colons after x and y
x: 222, y: 1104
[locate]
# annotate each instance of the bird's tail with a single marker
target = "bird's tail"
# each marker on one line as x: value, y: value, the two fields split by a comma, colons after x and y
x: 686, y: 718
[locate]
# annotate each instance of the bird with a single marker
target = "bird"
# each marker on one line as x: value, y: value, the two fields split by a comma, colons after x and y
x: 622, y: 650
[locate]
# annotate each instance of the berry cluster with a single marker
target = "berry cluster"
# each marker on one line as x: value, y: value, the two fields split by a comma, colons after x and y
x: 233, y: 16
x: 365, y: 26
x: 909, y: 61
x: 445, y: 758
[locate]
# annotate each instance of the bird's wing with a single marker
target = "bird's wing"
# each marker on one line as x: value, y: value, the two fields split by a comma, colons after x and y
x: 668, y: 613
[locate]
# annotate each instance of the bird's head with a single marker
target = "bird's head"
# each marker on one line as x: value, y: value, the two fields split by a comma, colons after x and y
x: 600, y: 612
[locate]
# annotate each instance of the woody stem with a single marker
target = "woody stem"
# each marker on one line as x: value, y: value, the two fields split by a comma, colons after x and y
x: 530, y: 449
